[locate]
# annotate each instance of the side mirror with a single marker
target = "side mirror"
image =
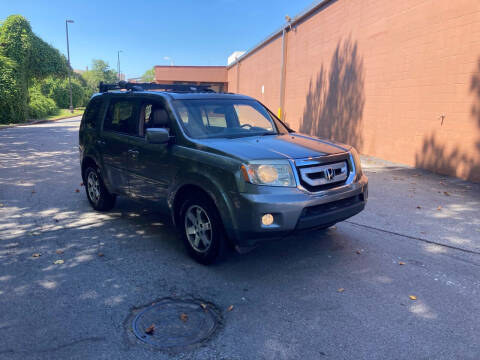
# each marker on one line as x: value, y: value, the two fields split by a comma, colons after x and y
x: 157, y: 136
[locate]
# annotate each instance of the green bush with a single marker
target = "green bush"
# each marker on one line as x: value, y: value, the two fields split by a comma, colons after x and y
x: 40, y: 106
x: 11, y: 106
x: 58, y: 90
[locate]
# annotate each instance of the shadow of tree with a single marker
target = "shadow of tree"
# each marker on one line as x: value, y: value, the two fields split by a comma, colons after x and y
x: 334, y: 105
x: 434, y: 155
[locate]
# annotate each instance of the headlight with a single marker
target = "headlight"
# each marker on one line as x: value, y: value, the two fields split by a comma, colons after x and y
x: 356, y: 160
x: 273, y: 173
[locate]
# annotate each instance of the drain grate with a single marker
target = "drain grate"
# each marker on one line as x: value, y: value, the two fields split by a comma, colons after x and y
x: 176, y: 322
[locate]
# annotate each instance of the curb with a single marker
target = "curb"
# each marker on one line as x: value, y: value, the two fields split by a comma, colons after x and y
x: 35, y: 122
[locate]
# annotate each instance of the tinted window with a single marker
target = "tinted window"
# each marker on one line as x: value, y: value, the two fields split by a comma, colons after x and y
x: 93, y: 112
x: 121, y: 117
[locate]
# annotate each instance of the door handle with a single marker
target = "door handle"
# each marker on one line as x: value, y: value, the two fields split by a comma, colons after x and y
x: 101, y: 142
x: 133, y: 153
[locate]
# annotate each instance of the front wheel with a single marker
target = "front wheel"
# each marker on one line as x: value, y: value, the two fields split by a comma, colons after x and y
x: 202, y: 230
x: 97, y: 193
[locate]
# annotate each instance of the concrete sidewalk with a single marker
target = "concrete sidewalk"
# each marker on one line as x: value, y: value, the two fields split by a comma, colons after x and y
x: 422, y: 205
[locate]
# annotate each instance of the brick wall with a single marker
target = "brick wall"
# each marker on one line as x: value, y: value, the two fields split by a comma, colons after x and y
x: 398, y: 79
x: 216, y: 74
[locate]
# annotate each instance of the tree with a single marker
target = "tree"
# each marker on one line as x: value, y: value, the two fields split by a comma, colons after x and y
x: 24, y: 57
x: 149, y: 75
x: 100, y: 71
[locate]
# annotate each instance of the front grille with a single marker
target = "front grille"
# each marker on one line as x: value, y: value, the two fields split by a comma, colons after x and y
x: 331, y: 206
x: 317, y: 177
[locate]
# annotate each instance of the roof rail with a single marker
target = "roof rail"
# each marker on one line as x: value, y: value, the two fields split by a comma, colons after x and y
x: 123, y: 85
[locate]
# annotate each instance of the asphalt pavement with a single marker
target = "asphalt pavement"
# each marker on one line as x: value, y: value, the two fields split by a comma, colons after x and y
x: 399, y: 281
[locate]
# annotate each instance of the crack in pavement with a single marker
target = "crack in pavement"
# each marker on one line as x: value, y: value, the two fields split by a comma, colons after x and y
x: 413, y: 237
x: 55, y: 348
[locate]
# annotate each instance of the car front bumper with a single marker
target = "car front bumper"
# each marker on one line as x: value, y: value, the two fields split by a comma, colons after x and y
x: 294, y: 210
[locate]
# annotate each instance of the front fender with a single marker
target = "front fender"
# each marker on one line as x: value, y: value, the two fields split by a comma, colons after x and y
x: 219, y: 191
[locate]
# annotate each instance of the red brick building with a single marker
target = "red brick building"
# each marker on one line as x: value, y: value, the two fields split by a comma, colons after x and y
x: 215, y: 76
x: 400, y: 80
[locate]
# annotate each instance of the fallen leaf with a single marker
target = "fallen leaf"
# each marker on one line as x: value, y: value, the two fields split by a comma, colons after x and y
x: 150, y: 329
x: 401, y: 263
x: 100, y: 254
x: 439, y: 208
x: 204, y: 306
x: 183, y: 317
x: 58, y: 262
x: 59, y: 252
x: 230, y: 308
x: 76, y: 190
x: 412, y: 297
x: 419, y: 207
x: 341, y: 290
x: 446, y: 193
x: 36, y: 255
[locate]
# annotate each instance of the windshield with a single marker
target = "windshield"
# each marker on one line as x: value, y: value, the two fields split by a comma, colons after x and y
x: 210, y: 118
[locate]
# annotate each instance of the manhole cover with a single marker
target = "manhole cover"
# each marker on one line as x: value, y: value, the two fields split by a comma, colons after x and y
x: 176, y: 323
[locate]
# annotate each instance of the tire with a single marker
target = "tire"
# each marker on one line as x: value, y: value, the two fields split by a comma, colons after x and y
x: 97, y: 194
x: 202, y: 230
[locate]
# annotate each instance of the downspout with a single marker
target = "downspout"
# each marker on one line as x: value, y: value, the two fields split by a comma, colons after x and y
x: 238, y: 77
x: 281, y: 110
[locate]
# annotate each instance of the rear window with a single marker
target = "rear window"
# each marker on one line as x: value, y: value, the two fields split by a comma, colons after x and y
x: 93, y: 112
x: 121, y: 117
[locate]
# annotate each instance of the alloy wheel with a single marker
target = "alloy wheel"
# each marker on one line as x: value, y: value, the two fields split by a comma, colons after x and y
x: 198, y: 228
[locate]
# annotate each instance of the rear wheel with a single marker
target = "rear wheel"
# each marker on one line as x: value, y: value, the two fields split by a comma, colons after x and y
x: 97, y: 193
x: 202, y: 230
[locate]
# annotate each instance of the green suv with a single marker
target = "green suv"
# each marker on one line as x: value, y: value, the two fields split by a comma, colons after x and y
x: 223, y: 165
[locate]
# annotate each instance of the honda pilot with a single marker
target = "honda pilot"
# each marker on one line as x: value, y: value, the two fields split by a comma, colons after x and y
x: 225, y: 168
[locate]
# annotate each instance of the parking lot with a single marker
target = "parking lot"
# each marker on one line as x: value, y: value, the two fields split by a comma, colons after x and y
x: 400, y: 280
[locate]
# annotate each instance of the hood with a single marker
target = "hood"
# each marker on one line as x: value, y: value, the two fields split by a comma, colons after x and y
x: 288, y: 146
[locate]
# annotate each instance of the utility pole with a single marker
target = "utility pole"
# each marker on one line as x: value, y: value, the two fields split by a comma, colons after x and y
x: 69, y: 67
x: 118, y: 64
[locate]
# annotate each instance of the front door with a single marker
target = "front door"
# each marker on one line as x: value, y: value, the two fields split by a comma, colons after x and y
x: 150, y: 165
x: 119, y: 126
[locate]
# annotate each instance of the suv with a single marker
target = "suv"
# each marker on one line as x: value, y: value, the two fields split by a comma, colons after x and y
x: 223, y: 165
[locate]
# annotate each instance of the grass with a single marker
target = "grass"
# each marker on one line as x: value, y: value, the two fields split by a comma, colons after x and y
x: 65, y: 113
x: 61, y: 114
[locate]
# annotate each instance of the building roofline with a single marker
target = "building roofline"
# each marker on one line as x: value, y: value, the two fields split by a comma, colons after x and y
x: 189, y: 66
x: 295, y: 21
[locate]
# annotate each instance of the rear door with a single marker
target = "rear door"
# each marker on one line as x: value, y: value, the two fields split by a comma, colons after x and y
x: 119, y: 125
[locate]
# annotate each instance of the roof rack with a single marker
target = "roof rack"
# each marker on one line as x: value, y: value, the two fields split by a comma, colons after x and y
x: 123, y: 85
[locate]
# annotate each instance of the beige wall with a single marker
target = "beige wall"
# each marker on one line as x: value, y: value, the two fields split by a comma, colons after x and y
x: 381, y: 75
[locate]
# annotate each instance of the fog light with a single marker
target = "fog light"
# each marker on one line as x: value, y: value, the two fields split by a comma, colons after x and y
x: 267, y: 219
